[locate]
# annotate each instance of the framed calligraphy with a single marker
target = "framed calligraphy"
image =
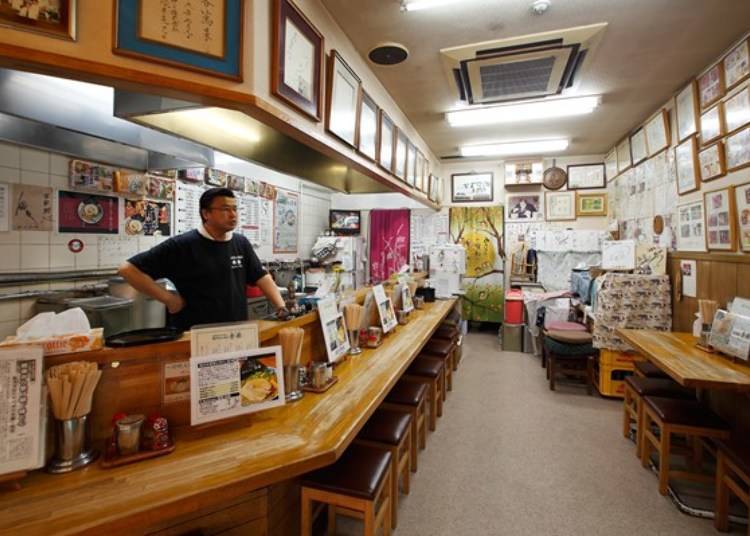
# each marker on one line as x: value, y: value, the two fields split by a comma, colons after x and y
x: 199, y: 35
x: 343, y: 90
x: 56, y: 19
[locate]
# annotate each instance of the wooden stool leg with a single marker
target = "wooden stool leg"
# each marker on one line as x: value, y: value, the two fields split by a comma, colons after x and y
x: 645, y: 440
x: 551, y: 371
x: 369, y: 519
x: 331, y: 519
x: 306, y: 515
x: 388, y: 504
x: 394, y: 487
x: 441, y: 387
x: 626, y: 402
x: 433, y: 404
x: 407, y: 446
x: 422, y: 411
x: 664, y: 448
x: 721, y: 515
x: 638, y: 426
x: 414, y: 440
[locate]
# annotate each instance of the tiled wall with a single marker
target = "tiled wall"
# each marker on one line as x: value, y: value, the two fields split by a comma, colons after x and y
x: 314, y: 217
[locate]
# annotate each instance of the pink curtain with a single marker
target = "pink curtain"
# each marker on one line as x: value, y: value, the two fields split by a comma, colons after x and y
x: 389, y: 242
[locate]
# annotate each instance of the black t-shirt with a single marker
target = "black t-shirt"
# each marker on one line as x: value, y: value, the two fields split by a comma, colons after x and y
x: 209, y: 275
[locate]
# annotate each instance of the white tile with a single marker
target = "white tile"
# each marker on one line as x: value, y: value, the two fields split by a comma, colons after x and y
x: 59, y: 182
x: 10, y: 175
x: 10, y: 155
x: 10, y: 237
x: 27, y: 309
x: 8, y: 328
x: 9, y: 310
x: 10, y: 257
x: 35, y: 178
x: 88, y: 257
x: 60, y: 257
x: 34, y: 237
x: 59, y: 164
x: 34, y: 160
x: 34, y: 257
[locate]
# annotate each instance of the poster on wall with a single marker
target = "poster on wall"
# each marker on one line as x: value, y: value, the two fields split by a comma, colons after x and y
x: 618, y: 254
x: 691, y: 235
x: 91, y: 177
x: 742, y: 197
x: 719, y: 217
x: 470, y: 187
x: 187, y: 206
x: 524, y: 207
x: 389, y: 242
x: 285, y: 222
x: 689, y: 271
x: 265, y: 222
x: 4, y: 207
x: 334, y: 330
x: 31, y: 208
x: 87, y: 213
x: 249, y: 218
x: 147, y: 218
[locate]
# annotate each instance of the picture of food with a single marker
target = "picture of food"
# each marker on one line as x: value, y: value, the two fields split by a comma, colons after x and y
x: 149, y: 218
x: 340, y: 331
x: 333, y: 339
x: 386, y: 312
x: 90, y: 211
x: 174, y: 386
x: 258, y: 382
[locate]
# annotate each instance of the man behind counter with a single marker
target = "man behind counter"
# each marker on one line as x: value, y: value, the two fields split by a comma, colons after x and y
x: 210, y: 267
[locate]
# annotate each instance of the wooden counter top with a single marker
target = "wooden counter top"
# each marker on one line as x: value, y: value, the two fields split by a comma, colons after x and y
x: 676, y: 354
x: 213, y: 465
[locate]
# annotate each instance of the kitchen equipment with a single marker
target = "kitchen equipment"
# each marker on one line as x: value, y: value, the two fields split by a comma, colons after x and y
x: 146, y: 311
x: 72, y: 445
x: 129, y: 434
x: 143, y: 336
x: 108, y: 312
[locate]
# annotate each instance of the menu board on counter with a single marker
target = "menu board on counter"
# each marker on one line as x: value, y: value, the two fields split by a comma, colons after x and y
x: 385, y: 309
x: 334, y: 329
x: 187, y: 204
x: 222, y: 338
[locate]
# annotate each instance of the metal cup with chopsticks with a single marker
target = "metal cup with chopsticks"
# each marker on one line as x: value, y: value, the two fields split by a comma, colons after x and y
x: 290, y: 340
x: 353, y: 318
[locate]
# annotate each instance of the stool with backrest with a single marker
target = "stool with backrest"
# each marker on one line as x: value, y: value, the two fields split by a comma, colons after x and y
x: 429, y: 370
x: 444, y: 350
x: 732, y: 476
x: 453, y: 334
x: 671, y: 416
x: 411, y: 397
x: 358, y: 485
x: 391, y: 430
x: 645, y: 369
x: 635, y: 389
x: 569, y: 353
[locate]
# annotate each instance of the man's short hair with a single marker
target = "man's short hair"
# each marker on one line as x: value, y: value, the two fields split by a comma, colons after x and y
x: 209, y: 195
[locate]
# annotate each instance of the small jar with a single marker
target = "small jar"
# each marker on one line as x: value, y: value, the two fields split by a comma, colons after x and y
x: 155, y: 433
x: 129, y: 434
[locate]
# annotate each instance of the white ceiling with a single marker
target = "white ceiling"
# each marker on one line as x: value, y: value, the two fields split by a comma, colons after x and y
x: 649, y: 49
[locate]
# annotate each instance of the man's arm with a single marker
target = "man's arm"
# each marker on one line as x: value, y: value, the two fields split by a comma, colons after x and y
x: 144, y: 283
x: 269, y: 288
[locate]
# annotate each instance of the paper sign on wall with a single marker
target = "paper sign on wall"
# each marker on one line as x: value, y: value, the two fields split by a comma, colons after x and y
x: 385, y: 309
x: 618, y: 254
x: 689, y: 271
x: 650, y: 260
x: 334, y: 330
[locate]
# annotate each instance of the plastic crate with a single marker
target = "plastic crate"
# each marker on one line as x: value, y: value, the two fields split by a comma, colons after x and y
x: 610, y: 381
x: 620, y: 360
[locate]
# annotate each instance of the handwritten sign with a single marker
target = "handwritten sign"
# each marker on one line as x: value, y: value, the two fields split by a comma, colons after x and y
x: 195, y: 25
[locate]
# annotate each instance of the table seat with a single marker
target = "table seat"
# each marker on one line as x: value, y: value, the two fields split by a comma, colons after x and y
x: 685, y: 412
x: 431, y: 367
x: 439, y: 347
x: 359, y: 472
x: 565, y: 326
x: 660, y: 387
x: 407, y: 393
x: 386, y: 426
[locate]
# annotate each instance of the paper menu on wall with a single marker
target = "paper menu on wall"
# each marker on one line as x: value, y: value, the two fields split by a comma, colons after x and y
x: 265, y: 222
x: 689, y: 272
x: 187, y: 206
x: 249, y: 217
x: 223, y: 338
x: 4, y: 204
x: 740, y: 306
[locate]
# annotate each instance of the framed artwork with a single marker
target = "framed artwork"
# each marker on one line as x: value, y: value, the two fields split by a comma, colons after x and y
x: 425, y: 174
x: 657, y: 133
x: 55, y: 19
x: 296, y: 60
x: 686, y: 156
x: 468, y: 187
x: 87, y: 213
x: 591, y: 204
x: 206, y: 39
x: 586, y: 176
x: 402, y: 143
x: 623, y: 155
x: 342, y: 99
x: 559, y: 206
x: 610, y: 164
x: 638, y: 147
x: 713, y: 162
x: 411, y: 164
x: 737, y: 110
x: 686, y: 106
x: 432, y: 187
x: 691, y: 235
x: 518, y: 173
x: 738, y: 150
x: 711, y: 86
x: 737, y: 64
x: 31, y: 208
x: 419, y: 176
x: 386, y: 142
x: 367, y: 138
x: 524, y: 207
x: 742, y: 201
x: 712, y: 124
x: 720, y: 218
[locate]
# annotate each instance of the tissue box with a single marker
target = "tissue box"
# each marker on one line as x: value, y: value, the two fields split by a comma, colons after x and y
x: 63, y: 344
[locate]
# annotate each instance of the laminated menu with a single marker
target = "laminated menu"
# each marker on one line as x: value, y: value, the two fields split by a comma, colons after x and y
x: 730, y: 334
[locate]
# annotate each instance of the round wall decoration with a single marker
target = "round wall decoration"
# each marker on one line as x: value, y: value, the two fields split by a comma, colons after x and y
x: 75, y: 245
x: 554, y: 178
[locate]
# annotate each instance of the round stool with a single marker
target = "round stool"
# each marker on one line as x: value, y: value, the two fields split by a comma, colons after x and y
x: 569, y: 353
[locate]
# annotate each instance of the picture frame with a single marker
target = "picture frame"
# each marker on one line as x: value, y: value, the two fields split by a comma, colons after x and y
x: 737, y: 148
x: 368, y: 123
x: 586, y: 176
x: 713, y: 162
x: 528, y: 172
x: 297, y: 60
x: 686, y: 107
x: 342, y: 100
x: 720, y: 219
x: 472, y: 187
x: 742, y: 204
x: 658, y: 133
x: 220, y: 56
x: 57, y: 22
x: 559, y: 206
x: 712, y: 124
x: 686, y: 160
x: 591, y: 204
x: 737, y: 110
x: 737, y: 64
x: 711, y: 86
x: 691, y: 231
x: 624, y: 158
x: 610, y: 165
x: 386, y: 142
x: 432, y: 188
x: 419, y: 174
x: 524, y: 208
x: 411, y: 164
x: 402, y: 145
x: 638, y: 147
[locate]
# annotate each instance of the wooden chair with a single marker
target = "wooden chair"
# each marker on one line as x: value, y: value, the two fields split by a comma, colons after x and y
x: 674, y: 416
x: 445, y: 350
x: 358, y: 485
x: 645, y: 369
x: 569, y: 353
x: 429, y: 370
x: 732, y: 476
x: 412, y: 398
x: 448, y: 332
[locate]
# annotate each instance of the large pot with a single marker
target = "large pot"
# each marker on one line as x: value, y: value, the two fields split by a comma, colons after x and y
x: 147, y: 312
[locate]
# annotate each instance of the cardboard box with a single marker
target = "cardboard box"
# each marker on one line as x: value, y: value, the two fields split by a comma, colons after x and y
x: 65, y: 344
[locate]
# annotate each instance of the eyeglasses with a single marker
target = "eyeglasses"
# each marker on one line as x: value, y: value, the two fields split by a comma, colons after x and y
x: 225, y: 210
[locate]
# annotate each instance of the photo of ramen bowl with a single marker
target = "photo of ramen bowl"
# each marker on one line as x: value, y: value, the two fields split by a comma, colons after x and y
x: 89, y: 211
x: 133, y: 227
x: 258, y: 384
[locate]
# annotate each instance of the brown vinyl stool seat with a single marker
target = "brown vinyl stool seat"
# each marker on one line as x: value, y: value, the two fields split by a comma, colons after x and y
x: 391, y: 430
x: 357, y: 485
x: 453, y: 333
x: 688, y: 418
x: 636, y: 387
x: 645, y: 369
x: 429, y: 371
x: 411, y: 397
x: 570, y: 353
x: 732, y: 475
x: 407, y: 394
x: 445, y: 350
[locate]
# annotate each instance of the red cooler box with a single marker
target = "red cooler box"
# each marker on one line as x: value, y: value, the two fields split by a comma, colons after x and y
x: 514, y: 306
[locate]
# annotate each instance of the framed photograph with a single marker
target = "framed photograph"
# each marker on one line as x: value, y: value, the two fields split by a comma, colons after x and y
x: 411, y: 164
x: 742, y: 201
x: 713, y: 162
x: 658, y: 133
x: 591, y: 204
x: 686, y: 106
x: 385, y: 308
x: 559, y: 206
x: 586, y: 176
x: 737, y: 64
x: 691, y: 234
x: 367, y: 138
x: 468, y: 187
x: 386, y: 142
x: 87, y: 213
x: 711, y: 86
x: 342, y: 99
x: 524, y: 207
x: 624, y: 160
x: 297, y: 60
x: 738, y: 150
x: 719, y: 219
x: 712, y: 124
x: 686, y: 156
x: 207, y: 40
x: 56, y: 18
x: 737, y: 110
x: 610, y: 164
x: 638, y: 147
x: 520, y: 173
x: 402, y: 144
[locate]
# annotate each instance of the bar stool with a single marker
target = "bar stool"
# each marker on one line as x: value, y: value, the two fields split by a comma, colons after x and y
x: 732, y: 475
x: 358, y: 485
x: 646, y: 369
x: 569, y: 353
x: 444, y: 350
x: 635, y: 389
x: 674, y: 416
x: 411, y: 397
x: 429, y: 370
x: 453, y: 334
x: 560, y: 326
x: 391, y: 430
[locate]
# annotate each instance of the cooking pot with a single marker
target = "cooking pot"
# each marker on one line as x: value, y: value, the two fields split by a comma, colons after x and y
x: 147, y: 312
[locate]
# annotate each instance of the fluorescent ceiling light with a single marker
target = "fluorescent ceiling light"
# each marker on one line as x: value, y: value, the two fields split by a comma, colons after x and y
x: 513, y: 148
x: 525, y: 111
x: 416, y: 5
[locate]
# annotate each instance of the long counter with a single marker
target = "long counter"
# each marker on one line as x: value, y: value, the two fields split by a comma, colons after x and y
x: 215, y: 465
